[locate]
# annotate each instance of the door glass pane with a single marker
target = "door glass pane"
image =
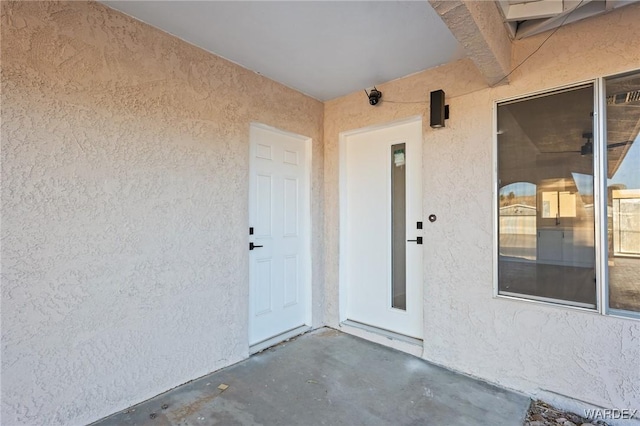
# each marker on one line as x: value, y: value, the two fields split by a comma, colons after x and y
x: 545, y: 182
x: 398, y: 228
x: 623, y: 191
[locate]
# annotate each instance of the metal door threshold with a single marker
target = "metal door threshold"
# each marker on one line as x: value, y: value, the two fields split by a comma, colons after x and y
x: 267, y: 343
x: 384, y: 333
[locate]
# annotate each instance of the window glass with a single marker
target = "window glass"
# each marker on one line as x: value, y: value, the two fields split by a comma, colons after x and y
x: 398, y: 227
x: 545, y: 183
x: 623, y: 191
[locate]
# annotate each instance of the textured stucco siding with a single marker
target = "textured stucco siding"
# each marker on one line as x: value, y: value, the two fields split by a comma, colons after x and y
x: 125, y: 156
x: 561, y: 354
x: 124, y: 214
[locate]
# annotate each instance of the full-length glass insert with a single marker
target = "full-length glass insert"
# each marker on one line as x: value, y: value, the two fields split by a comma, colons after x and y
x: 398, y: 227
x: 545, y: 206
x: 623, y: 191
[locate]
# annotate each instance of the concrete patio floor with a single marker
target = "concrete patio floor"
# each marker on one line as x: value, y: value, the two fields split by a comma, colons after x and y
x: 327, y: 377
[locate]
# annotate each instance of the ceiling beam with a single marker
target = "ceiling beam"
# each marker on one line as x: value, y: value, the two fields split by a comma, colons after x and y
x: 478, y: 26
x: 533, y: 10
x: 574, y: 10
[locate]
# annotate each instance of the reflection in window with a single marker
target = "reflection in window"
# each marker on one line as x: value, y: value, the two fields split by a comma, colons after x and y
x: 518, y: 221
x: 558, y: 204
x: 549, y: 204
x: 545, y: 179
x: 623, y: 191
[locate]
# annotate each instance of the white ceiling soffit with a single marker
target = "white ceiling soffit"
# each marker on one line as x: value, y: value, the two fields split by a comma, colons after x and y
x: 325, y: 49
x: 525, y: 18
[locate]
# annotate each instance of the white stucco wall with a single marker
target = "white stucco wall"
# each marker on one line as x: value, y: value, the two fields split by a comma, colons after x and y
x: 125, y: 158
x: 571, y: 358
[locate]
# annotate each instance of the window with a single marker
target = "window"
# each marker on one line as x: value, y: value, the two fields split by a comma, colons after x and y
x: 548, y: 220
x: 552, y: 257
x: 622, y: 160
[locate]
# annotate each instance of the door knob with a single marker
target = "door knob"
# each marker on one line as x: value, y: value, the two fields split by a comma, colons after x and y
x: 252, y: 246
x: 418, y: 240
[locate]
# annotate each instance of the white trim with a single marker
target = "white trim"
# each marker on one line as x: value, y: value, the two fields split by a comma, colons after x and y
x: 621, y: 75
x: 307, y: 224
x: 260, y: 346
x: 380, y: 126
x: 494, y: 192
x: 546, y: 91
x: 342, y: 231
x: 549, y: 300
x: 623, y: 314
x: 600, y: 194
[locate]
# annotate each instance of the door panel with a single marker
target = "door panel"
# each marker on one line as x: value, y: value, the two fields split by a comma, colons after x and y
x: 262, y: 292
x: 383, y: 178
x: 279, y: 203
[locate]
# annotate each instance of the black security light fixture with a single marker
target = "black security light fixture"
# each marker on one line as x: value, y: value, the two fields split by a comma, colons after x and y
x: 374, y: 96
x: 439, y: 111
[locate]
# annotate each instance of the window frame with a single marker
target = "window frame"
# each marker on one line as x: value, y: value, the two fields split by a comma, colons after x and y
x: 599, y: 194
x: 601, y: 187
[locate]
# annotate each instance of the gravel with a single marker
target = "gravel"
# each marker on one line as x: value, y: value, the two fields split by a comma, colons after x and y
x: 542, y: 414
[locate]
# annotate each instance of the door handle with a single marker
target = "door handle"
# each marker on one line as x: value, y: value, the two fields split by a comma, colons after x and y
x: 418, y: 240
x: 252, y: 246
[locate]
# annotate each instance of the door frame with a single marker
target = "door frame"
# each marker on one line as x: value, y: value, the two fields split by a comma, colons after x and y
x: 305, y: 224
x: 343, y: 262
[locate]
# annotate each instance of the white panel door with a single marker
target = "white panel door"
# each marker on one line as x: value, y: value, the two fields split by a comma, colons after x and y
x: 370, y: 160
x: 279, y: 219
